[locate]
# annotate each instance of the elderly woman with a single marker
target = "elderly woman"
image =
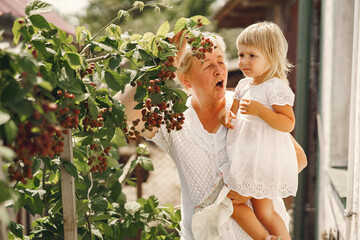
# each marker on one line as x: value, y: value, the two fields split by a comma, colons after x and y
x: 198, y: 149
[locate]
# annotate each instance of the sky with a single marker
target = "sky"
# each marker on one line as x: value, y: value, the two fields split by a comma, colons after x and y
x: 69, y: 7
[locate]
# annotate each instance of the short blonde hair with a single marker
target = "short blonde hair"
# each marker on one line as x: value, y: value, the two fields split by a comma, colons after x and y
x: 268, y: 38
x: 186, y: 61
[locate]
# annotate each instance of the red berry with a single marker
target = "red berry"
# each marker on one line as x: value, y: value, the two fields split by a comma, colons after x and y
x: 21, y: 21
x: 34, y: 53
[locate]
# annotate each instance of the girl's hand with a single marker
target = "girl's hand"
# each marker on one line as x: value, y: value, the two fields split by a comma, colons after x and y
x: 225, y: 118
x: 250, y: 107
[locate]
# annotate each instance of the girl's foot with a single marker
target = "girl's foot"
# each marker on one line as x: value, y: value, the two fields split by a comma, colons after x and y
x: 272, y: 237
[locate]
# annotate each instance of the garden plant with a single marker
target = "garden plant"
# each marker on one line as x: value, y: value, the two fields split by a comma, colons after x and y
x: 57, y: 113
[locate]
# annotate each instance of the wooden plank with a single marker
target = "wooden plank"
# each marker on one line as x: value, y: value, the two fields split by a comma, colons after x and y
x: 68, y: 192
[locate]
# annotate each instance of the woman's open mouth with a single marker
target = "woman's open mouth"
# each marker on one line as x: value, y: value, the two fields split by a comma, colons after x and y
x: 220, y: 84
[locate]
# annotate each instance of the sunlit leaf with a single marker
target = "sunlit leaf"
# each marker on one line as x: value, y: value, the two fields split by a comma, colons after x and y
x: 180, y: 25
x: 4, y: 116
x: 202, y: 19
x: 36, y: 7
x: 163, y: 29
x: 146, y: 163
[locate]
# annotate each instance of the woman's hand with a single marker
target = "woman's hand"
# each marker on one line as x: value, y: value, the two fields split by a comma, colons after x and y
x: 237, y: 198
x: 225, y: 118
x: 179, y: 41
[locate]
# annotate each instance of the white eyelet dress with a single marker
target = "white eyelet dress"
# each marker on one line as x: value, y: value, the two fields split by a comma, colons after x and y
x: 198, y: 156
x: 262, y: 160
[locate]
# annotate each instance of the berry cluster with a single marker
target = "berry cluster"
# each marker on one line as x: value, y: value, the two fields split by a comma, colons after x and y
x: 35, y: 137
x: 89, y: 123
x: 155, y: 115
x: 199, y: 49
x: 87, y: 71
x: 98, y: 162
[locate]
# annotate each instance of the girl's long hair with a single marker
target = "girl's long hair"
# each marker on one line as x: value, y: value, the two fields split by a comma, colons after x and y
x: 268, y: 38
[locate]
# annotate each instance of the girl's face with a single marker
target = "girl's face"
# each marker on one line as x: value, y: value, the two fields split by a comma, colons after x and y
x: 207, y: 80
x: 253, y: 63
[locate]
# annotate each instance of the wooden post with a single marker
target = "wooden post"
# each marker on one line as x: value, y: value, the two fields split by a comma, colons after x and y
x: 68, y: 192
x: 3, y: 227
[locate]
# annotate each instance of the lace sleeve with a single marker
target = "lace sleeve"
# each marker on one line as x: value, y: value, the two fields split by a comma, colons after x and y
x: 279, y: 93
x: 162, y: 138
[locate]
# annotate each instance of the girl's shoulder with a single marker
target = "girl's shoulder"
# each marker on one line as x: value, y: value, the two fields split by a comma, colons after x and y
x: 276, y: 82
x: 242, y: 83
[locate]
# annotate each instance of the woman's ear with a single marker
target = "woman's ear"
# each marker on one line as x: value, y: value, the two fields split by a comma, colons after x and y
x: 184, y: 81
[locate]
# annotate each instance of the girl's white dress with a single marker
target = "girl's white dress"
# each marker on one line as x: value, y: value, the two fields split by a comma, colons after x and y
x: 262, y: 160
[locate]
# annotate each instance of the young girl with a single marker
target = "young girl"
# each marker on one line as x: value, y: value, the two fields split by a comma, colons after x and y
x: 259, y: 134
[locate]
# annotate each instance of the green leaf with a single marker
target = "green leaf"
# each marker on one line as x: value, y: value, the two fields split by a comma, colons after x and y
x: 135, y: 37
x: 140, y: 93
x: 105, y: 228
x: 64, y: 38
x: 132, y: 207
x: 39, y: 21
x: 71, y: 169
x: 81, y: 207
x: 99, y: 204
x: 180, y: 25
x: 94, y: 110
x: 114, y: 30
x: 139, y: 106
x: 148, y: 39
x: 114, y: 62
x: 179, y: 107
x: 156, y: 98
x: 163, y: 29
x: 146, y: 163
x: 87, y: 141
x: 181, y: 94
x: 204, y: 20
x: 75, y: 60
x: 4, y: 116
x: 139, y: 4
x: 122, y: 14
x: 5, y: 193
x: 142, y: 149
x: 100, y: 217
x: 113, y: 80
x: 16, y: 30
x: 11, y: 130
x: 81, y: 33
x: 36, y: 7
x: 115, y: 191
x: 16, y: 229
x: 7, y: 153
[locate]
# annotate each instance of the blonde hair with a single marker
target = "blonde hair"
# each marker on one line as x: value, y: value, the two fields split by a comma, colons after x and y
x: 186, y: 61
x: 268, y: 38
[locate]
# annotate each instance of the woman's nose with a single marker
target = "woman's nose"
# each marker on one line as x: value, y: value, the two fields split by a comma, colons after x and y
x: 219, y: 70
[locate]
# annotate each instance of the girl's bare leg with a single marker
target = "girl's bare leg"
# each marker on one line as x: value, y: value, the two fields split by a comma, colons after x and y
x: 247, y: 220
x: 265, y: 212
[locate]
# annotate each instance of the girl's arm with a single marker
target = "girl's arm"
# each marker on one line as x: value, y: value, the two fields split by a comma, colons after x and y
x: 226, y: 116
x: 281, y: 119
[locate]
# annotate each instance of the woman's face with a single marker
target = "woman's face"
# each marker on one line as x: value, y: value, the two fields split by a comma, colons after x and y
x: 207, y: 80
